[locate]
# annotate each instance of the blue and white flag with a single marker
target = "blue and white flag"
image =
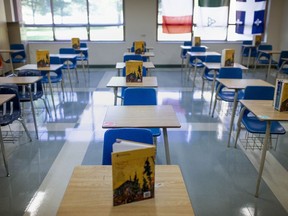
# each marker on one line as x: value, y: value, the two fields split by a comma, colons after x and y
x: 250, y: 16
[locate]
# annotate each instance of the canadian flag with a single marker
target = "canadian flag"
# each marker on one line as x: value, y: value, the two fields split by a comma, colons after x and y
x: 177, y: 16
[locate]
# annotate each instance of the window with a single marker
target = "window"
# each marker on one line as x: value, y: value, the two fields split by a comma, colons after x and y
x: 52, y: 20
x: 222, y: 32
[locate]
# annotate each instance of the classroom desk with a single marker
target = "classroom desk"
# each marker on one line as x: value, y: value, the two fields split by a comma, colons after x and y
x: 80, y: 51
x: 3, y: 99
x: 199, y: 55
x: 159, y: 116
x: 120, y: 82
x: 28, y: 81
x: 89, y: 192
x: 249, y: 47
x: 264, y: 111
x: 121, y: 65
x: 145, y: 54
x: 66, y: 58
x: 52, y: 67
x: 237, y: 85
x: 10, y: 58
x: 271, y: 53
x: 215, y: 66
x: 148, y: 49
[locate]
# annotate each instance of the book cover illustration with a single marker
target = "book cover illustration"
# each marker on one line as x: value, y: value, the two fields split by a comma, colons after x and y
x: 133, y: 172
x: 139, y: 47
x: 42, y: 58
x: 281, y: 95
x: 196, y: 41
x: 256, y: 40
x: 75, y: 43
x: 134, y: 71
x: 227, y: 58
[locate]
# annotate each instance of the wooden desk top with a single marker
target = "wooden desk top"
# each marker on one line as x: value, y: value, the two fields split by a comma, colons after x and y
x: 146, y: 54
x: 242, y: 83
x: 121, y: 82
x: 82, y: 49
x: 264, y: 110
x: 270, y: 52
x: 20, y: 80
x: 217, y: 65
x: 53, y: 67
x: 89, y: 192
x: 203, y: 53
x: 159, y: 116
x: 189, y: 47
x: 64, y: 56
x: 5, y: 97
x: 148, y: 65
x: 10, y: 51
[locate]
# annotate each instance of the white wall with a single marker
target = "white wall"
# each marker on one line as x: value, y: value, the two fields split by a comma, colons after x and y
x: 141, y: 24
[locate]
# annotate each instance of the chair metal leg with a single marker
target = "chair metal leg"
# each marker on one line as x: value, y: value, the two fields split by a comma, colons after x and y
x: 215, y: 101
x: 239, y: 126
x: 25, y: 128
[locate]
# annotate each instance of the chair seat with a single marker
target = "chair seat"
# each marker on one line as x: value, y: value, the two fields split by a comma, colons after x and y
x: 209, y: 76
x: 228, y: 96
x: 253, y: 125
x: 8, y: 118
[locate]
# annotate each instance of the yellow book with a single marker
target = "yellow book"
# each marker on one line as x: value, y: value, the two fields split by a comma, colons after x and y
x: 281, y: 95
x: 256, y: 40
x: 196, y: 41
x: 133, y: 171
x: 42, y: 58
x: 227, y: 57
x: 134, y: 71
x: 75, y: 43
x: 139, y: 47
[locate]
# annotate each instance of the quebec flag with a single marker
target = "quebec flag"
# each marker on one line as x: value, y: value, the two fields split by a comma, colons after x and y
x: 250, y: 16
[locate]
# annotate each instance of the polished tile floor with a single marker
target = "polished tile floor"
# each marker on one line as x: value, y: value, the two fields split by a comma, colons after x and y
x: 219, y: 180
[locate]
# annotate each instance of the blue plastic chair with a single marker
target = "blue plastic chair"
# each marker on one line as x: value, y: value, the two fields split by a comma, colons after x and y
x: 196, y: 62
x: 208, y: 75
x: 282, y: 65
x: 133, y: 134
x: 70, y: 64
x: 183, y: 53
x: 9, y: 114
x: 221, y: 92
x: 245, y: 50
x: 85, y: 56
x: 55, y: 76
x: 142, y: 96
x: 263, y: 58
x: 250, y: 121
x: 18, y: 57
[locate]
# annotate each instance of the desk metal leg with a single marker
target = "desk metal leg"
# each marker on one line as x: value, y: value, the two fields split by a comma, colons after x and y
x: 249, y: 55
x: 167, y: 152
x: 4, y: 153
x: 115, y: 95
x: 118, y: 72
x: 212, y: 91
x: 235, y: 102
x: 263, y: 156
x: 33, y: 112
x: 51, y: 92
x: 269, y: 67
x: 11, y: 64
x: 69, y: 75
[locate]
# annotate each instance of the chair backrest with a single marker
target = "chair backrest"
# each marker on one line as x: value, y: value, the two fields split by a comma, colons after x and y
x: 245, y: 51
x: 229, y: 73
x: 213, y: 58
x: 67, y: 51
x: 36, y: 89
x: 136, y: 57
x: 132, y: 134
x: 11, y: 110
x: 197, y: 49
x: 84, y: 52
x: 184, y: 51
x: 55, y: 60
x: 140, y: 96
x: 19, y: 55
x: 283, y: 54
x: 259, y: 93
x: 264, y: 47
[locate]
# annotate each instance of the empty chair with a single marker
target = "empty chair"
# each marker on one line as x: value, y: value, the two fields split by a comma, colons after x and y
x: 195, y: 61
x: 36, y: 89
x: 69, y: 63
x: 133, y: 134
x: 183, y: 53
x: 142, y: 96
x: 264, y: 58
x: 250, y: 121
x: 83, y: 55
x: 221, y: 92
x: 10, y: 112
x: 282, y: 65
x: 208, y: 75
x: 245, y: 50
x: 17, y: 57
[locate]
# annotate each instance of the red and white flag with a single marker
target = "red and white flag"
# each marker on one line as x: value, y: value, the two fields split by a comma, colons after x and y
x: 177, y: 16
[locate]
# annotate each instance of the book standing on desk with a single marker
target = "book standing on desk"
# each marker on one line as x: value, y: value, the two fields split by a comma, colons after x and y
x: 42, y: 58
x: 75, y: 43
x: 227, y: 57
x: 134, y: 71
x: 256, y: 40
x: 139, y: 47
x: 281, y: 95
x: 133, y: 171
x: 196, y: 41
